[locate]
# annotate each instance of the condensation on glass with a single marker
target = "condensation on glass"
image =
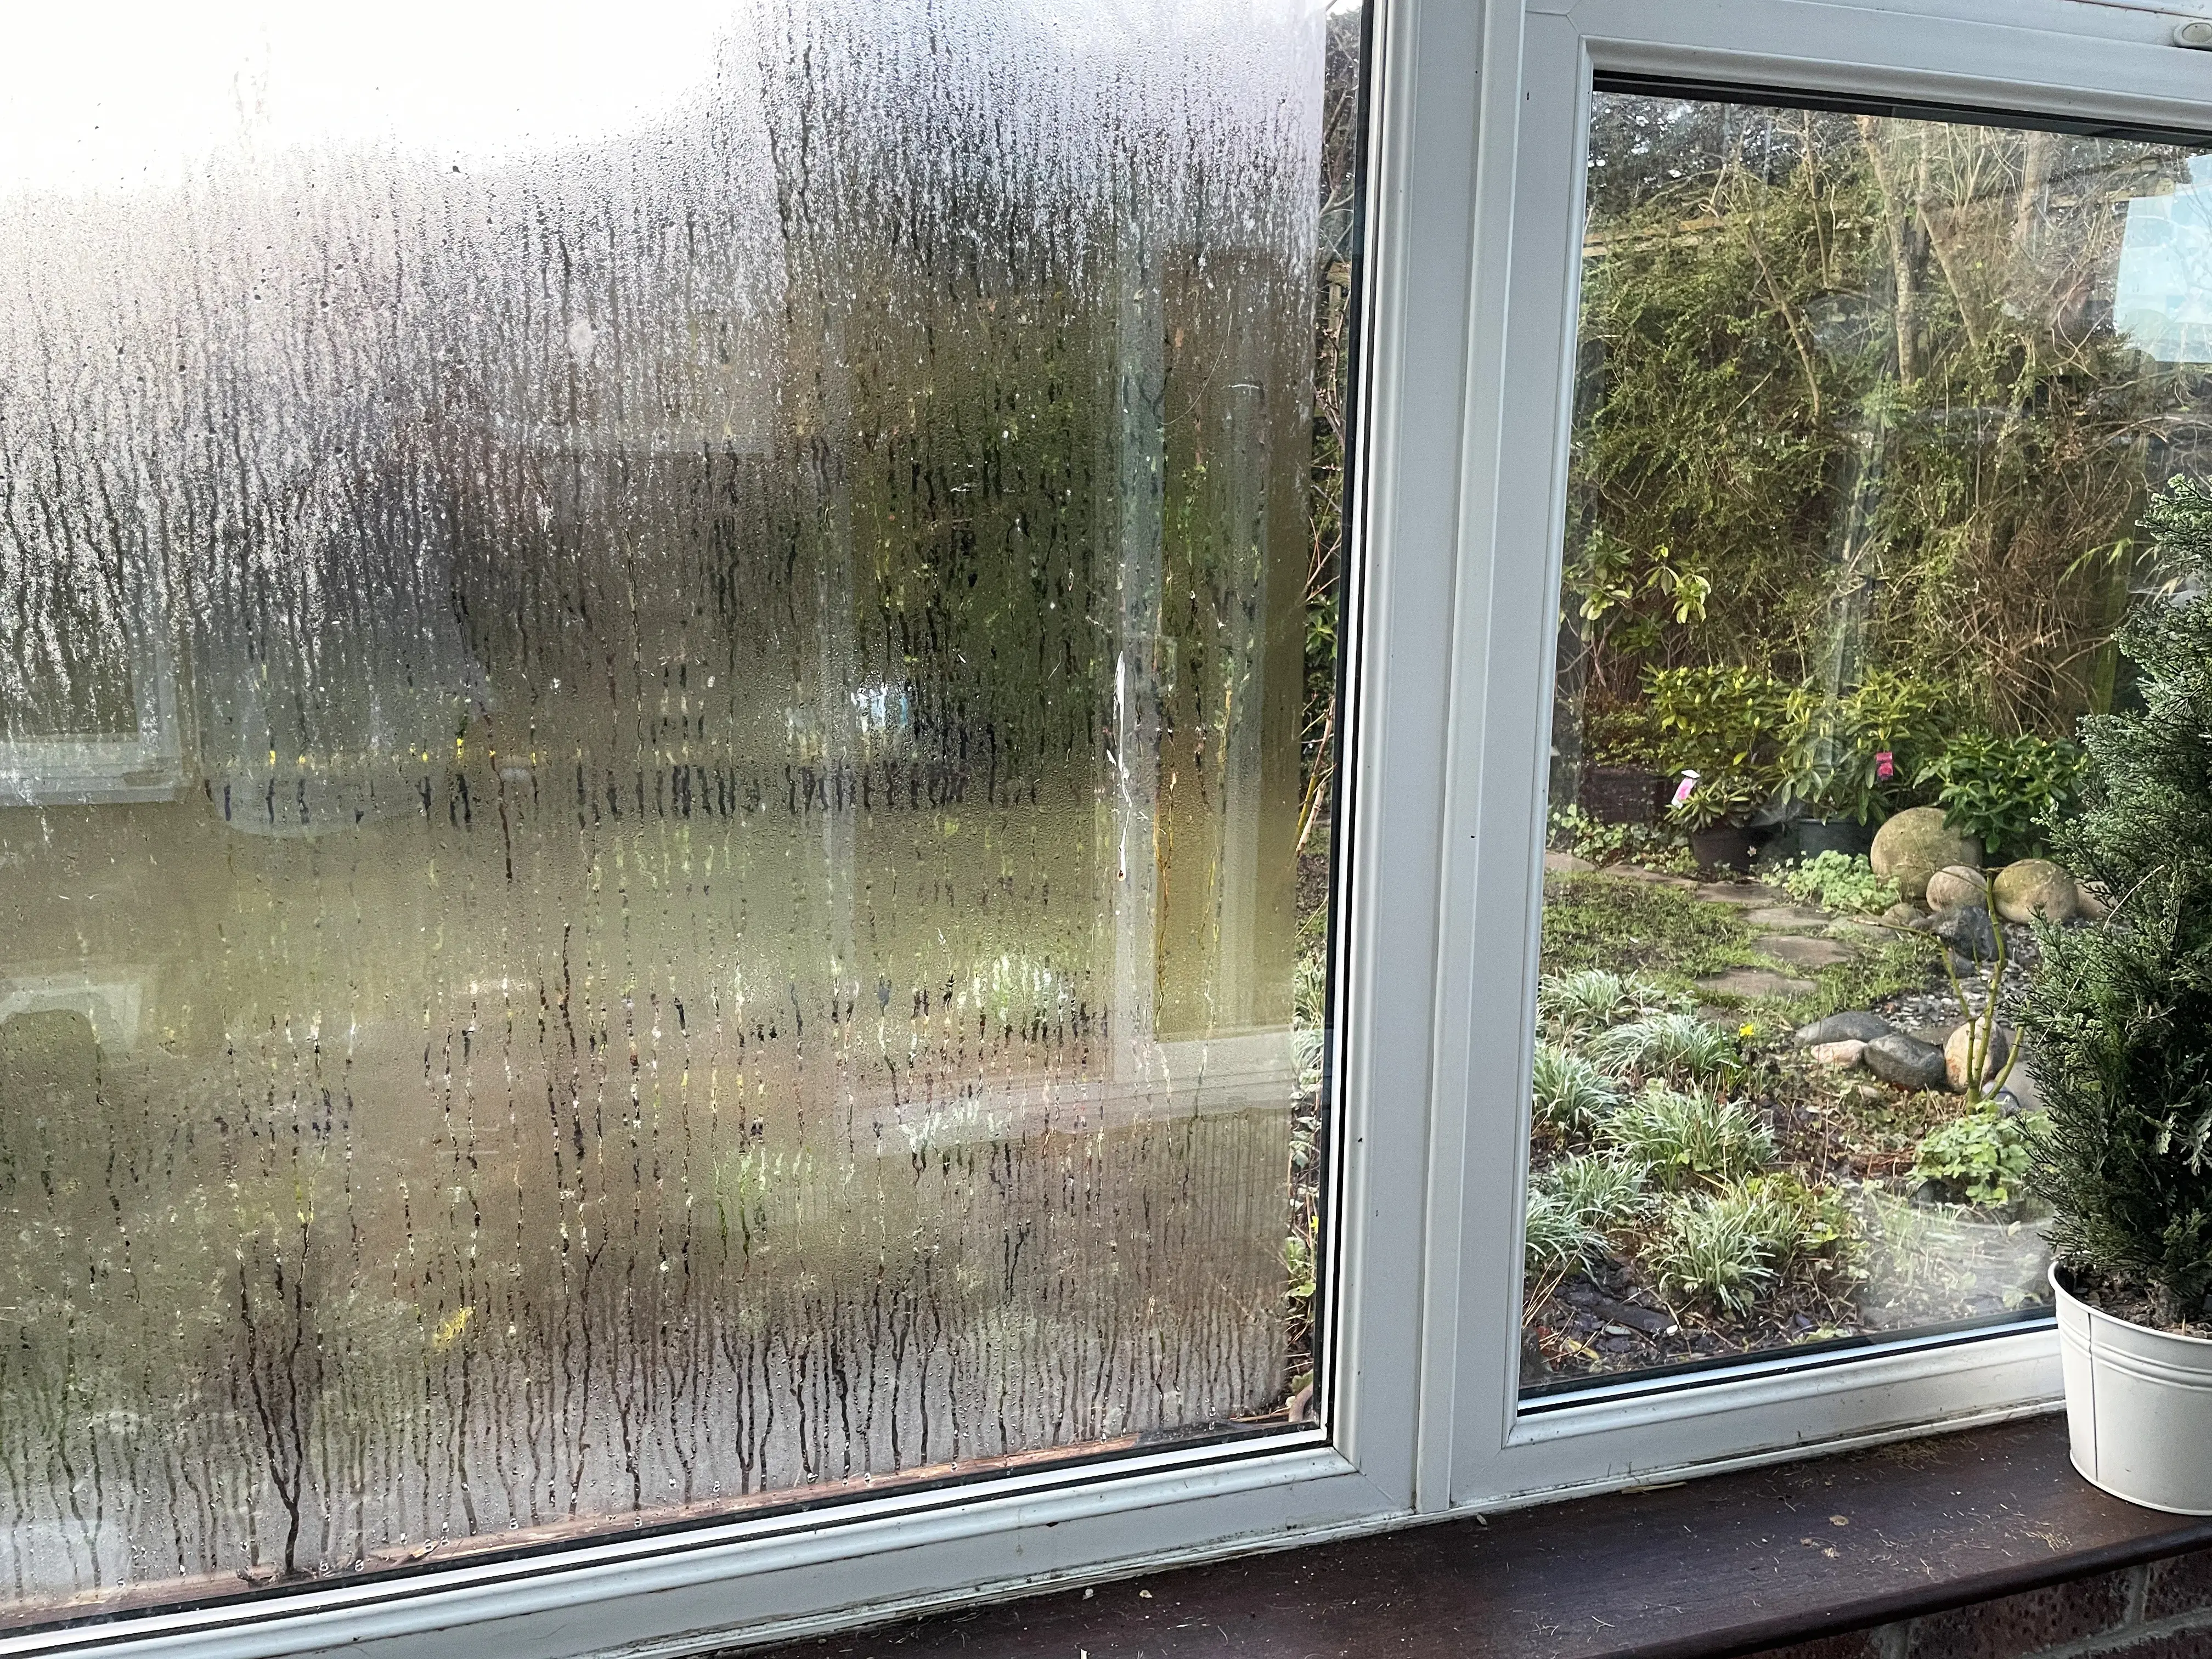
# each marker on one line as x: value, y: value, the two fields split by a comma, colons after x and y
x: 1867, y: 409
x: 653, y: 767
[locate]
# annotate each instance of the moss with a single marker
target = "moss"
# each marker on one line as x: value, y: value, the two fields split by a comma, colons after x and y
x: 1663, y: 932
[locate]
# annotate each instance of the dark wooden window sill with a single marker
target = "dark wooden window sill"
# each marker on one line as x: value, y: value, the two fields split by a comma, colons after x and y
x: 1730, y: 1564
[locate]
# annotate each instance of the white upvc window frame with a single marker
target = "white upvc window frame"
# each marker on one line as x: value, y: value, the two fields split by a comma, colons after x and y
x: 2079, y: 60
x: 1476, y: 152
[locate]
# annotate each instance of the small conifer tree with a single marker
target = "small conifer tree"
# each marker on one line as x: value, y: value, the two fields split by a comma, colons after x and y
x: 2117, y: 1019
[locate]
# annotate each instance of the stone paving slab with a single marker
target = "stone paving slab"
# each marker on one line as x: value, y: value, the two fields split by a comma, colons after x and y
x: 1789, y: 919
x: 1752, y: 894
x: 1800, y: 951
x: 1755, y: 982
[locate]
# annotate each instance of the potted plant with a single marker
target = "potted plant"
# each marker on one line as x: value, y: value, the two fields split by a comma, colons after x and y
x: 1716, y: 812
x: 2117, y: 1025
x: 1719, y: 731
x: 1852, y: 760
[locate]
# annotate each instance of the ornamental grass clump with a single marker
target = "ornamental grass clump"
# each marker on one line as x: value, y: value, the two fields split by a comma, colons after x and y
x: 1717, y: 1246
x: 1591, y: 998
x: 1602, y: 1193
x: 2118, y: 1018
x: 1553, y: 1237
x: 1679, y: 1047
x: 1681, y: 1137
x: 1732, y: 1244
x: 1570, y: 1093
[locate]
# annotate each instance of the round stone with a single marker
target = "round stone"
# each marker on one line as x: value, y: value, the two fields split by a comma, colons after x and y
x: 1955, y: 1056
x: 1957, y: 884
x: 2035, y: 887
x: 1904, y: 1060
x: 1914, y: 845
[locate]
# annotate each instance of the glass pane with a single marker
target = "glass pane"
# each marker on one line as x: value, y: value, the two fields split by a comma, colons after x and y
x: 756, y: 663
x: 1867, y: 411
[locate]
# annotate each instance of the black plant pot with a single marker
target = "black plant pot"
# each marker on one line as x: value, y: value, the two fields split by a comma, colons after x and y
x: 1722, y: 848
x: 1818, y: 835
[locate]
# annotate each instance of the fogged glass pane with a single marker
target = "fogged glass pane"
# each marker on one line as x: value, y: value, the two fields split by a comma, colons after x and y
x: 744, y: 909
x: 1866, y: 410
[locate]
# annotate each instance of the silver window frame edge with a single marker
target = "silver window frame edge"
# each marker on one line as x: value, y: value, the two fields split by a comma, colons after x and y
x: 2114, y: 66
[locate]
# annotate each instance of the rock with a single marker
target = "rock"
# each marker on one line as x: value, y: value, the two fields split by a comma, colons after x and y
x: 1752, y: 982
x: 2094, y: 901
x: 1903, y: 913
x: 1915, y: 844
x: 1800, y: 952
x: 1906, y: 1062
x: 1957, y: 884
x: 1652, y: 1321
x: 1955, y: 1056
x: 1841, y: 1055
x: 1852, y: 1025
x: 2035, y: 887
x: 1966, y: 929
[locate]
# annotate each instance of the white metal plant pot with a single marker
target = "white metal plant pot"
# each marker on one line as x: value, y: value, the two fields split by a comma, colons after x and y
x: 2138, y: 1407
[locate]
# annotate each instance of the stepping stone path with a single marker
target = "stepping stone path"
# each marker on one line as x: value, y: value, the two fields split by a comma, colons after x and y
x: 1799, y: 938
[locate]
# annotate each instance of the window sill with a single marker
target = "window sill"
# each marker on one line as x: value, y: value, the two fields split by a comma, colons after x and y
x: 1730, y: 1564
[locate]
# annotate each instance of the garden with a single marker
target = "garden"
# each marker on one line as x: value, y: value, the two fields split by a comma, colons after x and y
x: 1869, y: 416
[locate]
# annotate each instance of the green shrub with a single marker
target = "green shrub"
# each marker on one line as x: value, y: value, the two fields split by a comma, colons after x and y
x: 1681, y: 1137
x: 1570, y: 1093
x: 1680, y: 1047
x: 2117, y: 1023
x: 1835, y: 744
x: 1984, y: 1154
x: 2001, y: 790
x: 1838, y: 881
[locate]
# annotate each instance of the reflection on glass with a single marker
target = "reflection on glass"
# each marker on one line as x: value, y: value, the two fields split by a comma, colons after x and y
x: 724, y: 915
x: 1867, y: 411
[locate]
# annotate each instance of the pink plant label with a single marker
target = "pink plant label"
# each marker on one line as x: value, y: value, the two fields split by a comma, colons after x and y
x: 1682, y: 789
x: 1885, y: 765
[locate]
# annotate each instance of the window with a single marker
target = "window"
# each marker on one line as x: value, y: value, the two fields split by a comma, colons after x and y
x: 747, y: 658
x: 731, y: 980
x: 1869, y: 405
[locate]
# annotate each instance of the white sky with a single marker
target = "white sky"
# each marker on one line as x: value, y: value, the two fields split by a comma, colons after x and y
x: 132, y: 93
x: 96, y: 95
